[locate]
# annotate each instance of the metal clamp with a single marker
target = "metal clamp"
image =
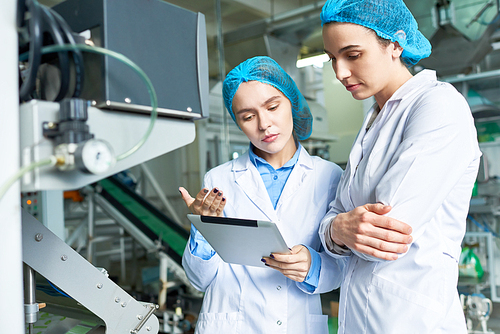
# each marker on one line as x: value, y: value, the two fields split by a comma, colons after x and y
x: 152, y: 308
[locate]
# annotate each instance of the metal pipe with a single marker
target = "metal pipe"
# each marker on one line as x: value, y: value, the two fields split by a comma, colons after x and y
x: 77, y: 232
x: 162, y: 294
x: 222, y: 75
x: 91, y: 226
x: 123, y: 268
x: 29, y: 285
x: 469, y: 77
x: 30, y: 305
x: 163, y: 198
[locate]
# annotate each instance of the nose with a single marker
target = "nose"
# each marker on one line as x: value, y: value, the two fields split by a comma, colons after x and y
x: 264, y: 121
x: 342, y: 71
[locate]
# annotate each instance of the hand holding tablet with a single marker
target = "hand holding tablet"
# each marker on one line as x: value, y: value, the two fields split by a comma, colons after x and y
x: 241, y: 241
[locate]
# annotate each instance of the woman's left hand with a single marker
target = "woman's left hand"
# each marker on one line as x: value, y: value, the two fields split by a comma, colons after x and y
x: 295, y: 266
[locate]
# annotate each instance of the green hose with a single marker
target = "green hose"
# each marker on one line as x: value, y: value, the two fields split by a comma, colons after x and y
x: 45, y: 162
x: 126, y: 61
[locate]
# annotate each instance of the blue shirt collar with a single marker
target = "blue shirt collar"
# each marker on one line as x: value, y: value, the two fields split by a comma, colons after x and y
x: 256, y: 160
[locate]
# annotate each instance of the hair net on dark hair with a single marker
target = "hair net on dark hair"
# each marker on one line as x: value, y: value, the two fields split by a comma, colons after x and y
x: 267, y: 70
x: 390, y: 19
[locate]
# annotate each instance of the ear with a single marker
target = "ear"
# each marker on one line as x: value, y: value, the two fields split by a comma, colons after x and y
x: 396, y: 50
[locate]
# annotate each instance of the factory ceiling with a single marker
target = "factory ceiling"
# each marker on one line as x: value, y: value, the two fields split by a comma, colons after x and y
x: 463, y: 33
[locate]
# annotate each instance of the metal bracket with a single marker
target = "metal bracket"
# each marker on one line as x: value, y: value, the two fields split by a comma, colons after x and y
x: 67, y: 269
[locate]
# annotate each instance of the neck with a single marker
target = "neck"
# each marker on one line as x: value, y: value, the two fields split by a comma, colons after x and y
x: 278, y: 159
x: 398, y: 79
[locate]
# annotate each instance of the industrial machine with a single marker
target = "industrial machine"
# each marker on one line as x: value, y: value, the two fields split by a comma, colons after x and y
x: 477, y: 309
x: 83, y: 118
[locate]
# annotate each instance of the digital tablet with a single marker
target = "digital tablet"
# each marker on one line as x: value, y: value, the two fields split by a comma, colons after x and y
x: 241, y: 241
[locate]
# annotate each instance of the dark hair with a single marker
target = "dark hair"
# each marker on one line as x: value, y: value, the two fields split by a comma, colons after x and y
x: 385, y: 43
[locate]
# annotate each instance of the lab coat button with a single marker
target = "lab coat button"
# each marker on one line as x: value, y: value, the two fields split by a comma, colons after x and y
x: 278, y: 287
x: 275, y: 177
x: 279, y: 322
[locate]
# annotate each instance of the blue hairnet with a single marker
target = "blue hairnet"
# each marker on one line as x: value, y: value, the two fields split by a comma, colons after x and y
x: 267, y: 70
x: 390, y: 19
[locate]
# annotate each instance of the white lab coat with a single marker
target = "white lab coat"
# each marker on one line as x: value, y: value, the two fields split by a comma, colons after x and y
x: 421, y: 157
x: 243, y: 299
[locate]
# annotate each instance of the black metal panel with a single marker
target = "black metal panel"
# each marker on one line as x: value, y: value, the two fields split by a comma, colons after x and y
x: 162, y: 39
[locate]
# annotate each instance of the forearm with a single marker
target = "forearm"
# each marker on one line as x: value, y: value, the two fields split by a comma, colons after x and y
x: 200, y: 272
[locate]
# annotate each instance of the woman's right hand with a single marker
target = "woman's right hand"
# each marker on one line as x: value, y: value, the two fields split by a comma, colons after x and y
x: 368, y: 230
x: 205, y: 203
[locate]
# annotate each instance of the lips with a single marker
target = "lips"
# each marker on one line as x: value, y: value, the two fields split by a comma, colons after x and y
x: 270, y: 138
x: 352, y: 87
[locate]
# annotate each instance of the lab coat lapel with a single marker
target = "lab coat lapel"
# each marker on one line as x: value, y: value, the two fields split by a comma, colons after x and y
x: 248, y: 178
x: 297, y: 177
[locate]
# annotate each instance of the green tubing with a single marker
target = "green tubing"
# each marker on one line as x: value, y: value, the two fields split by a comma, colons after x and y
x: 7, y: 184
x: 126, y: 61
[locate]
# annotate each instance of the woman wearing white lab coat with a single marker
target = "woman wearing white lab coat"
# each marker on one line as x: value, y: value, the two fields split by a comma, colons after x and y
x: 278, y: 299
x: 416, y: 152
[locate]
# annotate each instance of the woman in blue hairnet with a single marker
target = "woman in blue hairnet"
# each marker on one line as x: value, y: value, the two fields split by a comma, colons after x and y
x: 417, y: 154
x: 276, y: 180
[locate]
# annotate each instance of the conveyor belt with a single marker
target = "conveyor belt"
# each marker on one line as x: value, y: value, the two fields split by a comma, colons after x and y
x: 149, y: 220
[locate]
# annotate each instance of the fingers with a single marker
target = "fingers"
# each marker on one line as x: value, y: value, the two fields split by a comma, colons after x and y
x: 194, y: 204
x: 294, y: 266
x: 186, y: 196
x: 371, y: 233
x: 384, y: 255
x: 390, y: 235
x: 379, y: 248
x: 378, y: 208
x: 392, y: 224
x: 214, y: 203
x: 200, y: 198
x: 389, y: 223
x: 206, y: 203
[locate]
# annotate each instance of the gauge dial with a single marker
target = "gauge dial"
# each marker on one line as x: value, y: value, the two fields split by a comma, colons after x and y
x: 95, y: 156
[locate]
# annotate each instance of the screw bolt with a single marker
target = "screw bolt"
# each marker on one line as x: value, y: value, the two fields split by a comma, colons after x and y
x: 64, y: 257
x: 38, y: 237
x: 148, y: 328
x: 117, y: 300
x: 99, y: 285
x: 139, y: 317
x: 124, y: 304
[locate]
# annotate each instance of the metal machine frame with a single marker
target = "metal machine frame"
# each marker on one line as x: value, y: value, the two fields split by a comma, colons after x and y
x: 56, y: 261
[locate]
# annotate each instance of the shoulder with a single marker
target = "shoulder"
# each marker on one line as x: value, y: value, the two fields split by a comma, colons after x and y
x: 223, y: 172
x: 221, y: 169
x: 439, y: 103
x: 325, y: 169
x: 443, y: 96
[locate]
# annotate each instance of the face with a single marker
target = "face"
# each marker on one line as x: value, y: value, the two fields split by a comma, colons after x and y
x: 361, y: 63
x: 264, y: 114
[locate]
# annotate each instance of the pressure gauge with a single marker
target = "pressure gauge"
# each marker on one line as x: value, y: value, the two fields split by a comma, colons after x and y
x: 94, y: 156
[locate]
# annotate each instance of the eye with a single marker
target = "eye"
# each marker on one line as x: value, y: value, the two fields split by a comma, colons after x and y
x: 273, y: 107
x: 354, y: 56
x: 247, y: 118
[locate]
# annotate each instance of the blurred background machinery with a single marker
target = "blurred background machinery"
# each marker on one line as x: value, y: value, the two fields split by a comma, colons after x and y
x: 87, y: 112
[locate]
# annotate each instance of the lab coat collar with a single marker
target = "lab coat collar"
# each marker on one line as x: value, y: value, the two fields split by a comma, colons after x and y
x: 248, y: 178
x: 413, y: 85
x: 243, y: 162
x: 303, y: 167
